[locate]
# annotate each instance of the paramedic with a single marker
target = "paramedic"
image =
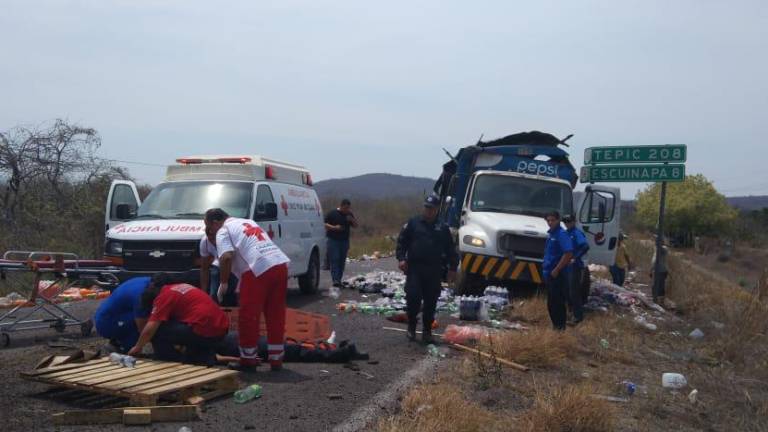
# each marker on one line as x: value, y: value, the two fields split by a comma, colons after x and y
x: 182, y: 316
x: 262, y: 269
x: 209, y: 271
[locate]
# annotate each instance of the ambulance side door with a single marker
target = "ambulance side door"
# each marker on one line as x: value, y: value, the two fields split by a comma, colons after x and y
x: 122, y: 203
x: 599, y: 216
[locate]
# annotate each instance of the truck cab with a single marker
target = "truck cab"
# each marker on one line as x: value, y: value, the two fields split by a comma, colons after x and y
x: 495, y: 196
x: 163, y: 232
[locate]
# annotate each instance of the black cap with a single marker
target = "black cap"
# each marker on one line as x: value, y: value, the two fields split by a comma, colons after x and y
x: 432, y: 200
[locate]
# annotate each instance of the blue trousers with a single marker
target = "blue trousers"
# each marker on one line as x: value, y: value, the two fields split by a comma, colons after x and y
x: 230, y: 298
x: 618, y: 274
x: 121, y: 330
x: 337, y: 257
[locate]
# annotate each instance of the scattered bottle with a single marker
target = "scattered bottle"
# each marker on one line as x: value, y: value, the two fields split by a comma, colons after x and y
x: 434, y: 351
x: 604, y: 343
x: 673, y: 381
x: 122, y: 360
x: 185, y: 429
x: 251, y: 392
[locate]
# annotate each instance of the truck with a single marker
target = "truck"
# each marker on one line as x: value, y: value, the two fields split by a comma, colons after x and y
x: 163, y: 232
x: 494, y: 197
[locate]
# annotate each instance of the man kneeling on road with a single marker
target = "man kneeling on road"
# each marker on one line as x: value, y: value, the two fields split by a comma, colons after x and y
x: 424, y: 247
x: 262, y: 269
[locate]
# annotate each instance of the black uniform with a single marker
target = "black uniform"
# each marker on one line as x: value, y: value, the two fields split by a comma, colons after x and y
x: 427, y: 248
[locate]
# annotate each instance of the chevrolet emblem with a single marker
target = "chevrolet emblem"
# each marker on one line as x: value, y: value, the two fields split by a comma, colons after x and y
x: 156, y: 254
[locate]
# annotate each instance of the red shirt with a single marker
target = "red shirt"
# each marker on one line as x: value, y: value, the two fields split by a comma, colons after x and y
x: 190, y: 305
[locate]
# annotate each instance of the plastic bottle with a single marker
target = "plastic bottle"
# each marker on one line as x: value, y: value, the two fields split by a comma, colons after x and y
x: 122, y: 360
x: 434, y: 352
x: 185, y: 429
x: 251, y: 392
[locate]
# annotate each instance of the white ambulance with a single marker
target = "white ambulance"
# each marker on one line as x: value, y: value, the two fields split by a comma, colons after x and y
x: 163, y: 232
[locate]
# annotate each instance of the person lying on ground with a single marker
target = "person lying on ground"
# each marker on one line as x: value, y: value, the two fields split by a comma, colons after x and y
x: 182, y: 315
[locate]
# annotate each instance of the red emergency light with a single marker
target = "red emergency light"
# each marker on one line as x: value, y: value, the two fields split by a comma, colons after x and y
x: 269, y: 173
x: 188, y: 161
x: 308, y: 179
x: 240, y: 160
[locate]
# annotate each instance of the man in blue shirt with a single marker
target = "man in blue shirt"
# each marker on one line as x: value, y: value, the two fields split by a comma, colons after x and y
x: 580, y: 248
x: 120, y: 318
x: 557, y: 257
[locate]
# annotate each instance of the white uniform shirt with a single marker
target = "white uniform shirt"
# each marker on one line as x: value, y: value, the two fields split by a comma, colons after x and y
x: 252, y: 247
x: 207, y: 249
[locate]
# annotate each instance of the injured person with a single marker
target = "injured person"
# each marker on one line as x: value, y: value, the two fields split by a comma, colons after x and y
x: 295, y: 351
x: 184, y: 325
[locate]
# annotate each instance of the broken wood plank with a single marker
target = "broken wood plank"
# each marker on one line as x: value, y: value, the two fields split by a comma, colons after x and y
x: 49, y: 370
x: 505, y: 362
x: 174, y: 413
x: 135, y: 416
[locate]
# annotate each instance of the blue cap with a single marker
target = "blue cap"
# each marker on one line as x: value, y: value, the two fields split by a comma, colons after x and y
x: 432, y: 200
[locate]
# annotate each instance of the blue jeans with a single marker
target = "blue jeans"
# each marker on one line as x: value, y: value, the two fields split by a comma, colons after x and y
x: 230, y: 298
x: 337, y: 256
x: 121, y: 330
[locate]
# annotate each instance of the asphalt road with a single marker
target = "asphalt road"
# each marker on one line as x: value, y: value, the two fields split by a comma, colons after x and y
x: 295, y: 399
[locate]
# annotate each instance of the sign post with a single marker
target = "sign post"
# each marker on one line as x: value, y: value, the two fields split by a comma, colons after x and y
x: 654, y: 163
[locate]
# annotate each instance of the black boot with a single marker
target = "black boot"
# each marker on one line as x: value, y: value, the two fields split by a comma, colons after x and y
x: 426, y: 337
x: 411, y: 331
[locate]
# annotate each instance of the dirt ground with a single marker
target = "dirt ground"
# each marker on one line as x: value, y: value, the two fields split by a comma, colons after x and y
x: 295, y: 399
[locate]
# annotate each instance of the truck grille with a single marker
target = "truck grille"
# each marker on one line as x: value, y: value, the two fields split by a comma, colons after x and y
x: 160, y: 256
x: 522, y: 246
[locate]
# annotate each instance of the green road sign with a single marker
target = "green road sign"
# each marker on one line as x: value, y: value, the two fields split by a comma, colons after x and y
x: 674, y: 153
x: 633, y: 173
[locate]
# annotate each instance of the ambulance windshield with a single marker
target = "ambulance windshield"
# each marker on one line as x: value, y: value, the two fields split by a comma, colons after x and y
x: 507, y: 194
x: 190, y: 200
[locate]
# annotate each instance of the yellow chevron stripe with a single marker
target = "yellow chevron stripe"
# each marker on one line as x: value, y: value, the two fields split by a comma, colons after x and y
x: 465, y: 262
x: 503, y: 269
x: 519, y: 269
x: 534, y: 273
x: 478, y: 262
x: 488, y: 267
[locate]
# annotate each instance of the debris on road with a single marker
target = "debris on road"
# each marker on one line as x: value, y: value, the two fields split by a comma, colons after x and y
x: 335, y: 396
x: 673, y: 381
x: 249, y: 393
x: 696, y: 334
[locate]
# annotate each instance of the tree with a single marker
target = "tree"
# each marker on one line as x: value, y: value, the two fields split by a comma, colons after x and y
x: 694, y: 207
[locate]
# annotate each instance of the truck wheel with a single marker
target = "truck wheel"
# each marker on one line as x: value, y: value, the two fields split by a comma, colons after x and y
x: 469, y: 284
x: 309, y: 282
x: 586, y: 285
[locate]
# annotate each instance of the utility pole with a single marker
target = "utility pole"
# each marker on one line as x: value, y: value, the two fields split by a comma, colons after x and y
x: 658, y: 289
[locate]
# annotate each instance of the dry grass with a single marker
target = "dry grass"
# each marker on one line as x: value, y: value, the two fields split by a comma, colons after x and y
x: 568, y: 408
x: 532, y: 311
x: 538, y: 347
x: 437, y: 408
x: 623, y: 336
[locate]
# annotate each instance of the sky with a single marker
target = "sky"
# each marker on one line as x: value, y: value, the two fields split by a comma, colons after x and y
x: 347, y: 88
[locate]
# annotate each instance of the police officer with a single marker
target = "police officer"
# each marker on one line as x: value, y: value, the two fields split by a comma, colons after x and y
x: 424, y: 248
x: 580, y: 248
x: 557, y: 257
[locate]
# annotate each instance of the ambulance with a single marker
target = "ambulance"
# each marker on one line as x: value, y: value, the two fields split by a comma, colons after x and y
x: 163, y: 232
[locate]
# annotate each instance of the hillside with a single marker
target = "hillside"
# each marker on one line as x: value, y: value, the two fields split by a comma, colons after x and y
x: 749, y: 203
x: 374, y: 186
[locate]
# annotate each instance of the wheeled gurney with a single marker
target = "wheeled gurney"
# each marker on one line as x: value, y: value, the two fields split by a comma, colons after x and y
x: 41, y: 309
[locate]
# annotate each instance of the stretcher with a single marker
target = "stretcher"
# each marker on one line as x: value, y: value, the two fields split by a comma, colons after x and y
x: 23, y: 271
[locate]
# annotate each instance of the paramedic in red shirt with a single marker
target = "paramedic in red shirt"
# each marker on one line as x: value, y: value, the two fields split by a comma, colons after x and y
x: 262, y: 269
x: 182, y: 316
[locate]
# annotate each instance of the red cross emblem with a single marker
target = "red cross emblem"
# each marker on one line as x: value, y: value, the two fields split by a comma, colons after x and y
x: 251, y: 231
x: 284, y: 204
x: 270, y: 232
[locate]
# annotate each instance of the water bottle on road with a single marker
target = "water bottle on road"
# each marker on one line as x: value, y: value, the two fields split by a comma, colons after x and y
x: 251, y: 392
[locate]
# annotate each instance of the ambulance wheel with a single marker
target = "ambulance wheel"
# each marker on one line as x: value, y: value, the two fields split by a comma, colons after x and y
x: 6, y: 340
x: 468, y: 284
x: 309, y: 282
x: 86, y: 328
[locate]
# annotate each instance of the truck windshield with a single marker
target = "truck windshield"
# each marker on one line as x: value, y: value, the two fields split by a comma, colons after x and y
x: 507, y: 194
x: 190, y: 200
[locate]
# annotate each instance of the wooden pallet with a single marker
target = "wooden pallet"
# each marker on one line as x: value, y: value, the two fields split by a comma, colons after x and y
x: 142, y: 385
